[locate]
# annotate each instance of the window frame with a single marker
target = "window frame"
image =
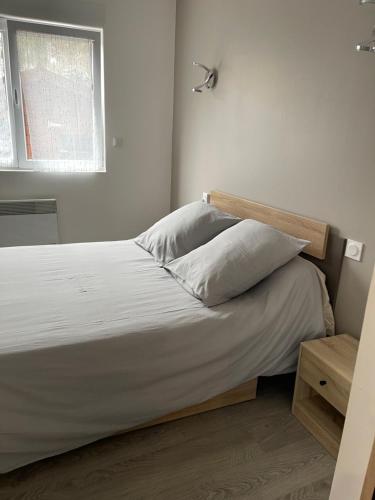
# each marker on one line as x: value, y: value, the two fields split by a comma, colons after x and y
x: 22, y: 164
x: 8, y: 85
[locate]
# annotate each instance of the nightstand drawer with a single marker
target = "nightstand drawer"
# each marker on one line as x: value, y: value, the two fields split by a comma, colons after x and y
x: 325, y: 380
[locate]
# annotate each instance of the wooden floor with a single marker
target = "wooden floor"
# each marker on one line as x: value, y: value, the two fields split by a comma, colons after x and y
x: 255, y: 450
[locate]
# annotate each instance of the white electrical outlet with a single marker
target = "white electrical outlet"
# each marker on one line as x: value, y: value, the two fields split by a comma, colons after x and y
x: 206, y: 197
x: 354, y: 250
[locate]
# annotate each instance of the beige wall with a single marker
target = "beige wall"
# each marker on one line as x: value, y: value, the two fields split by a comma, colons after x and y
x: 292, y: 120
x: 139, y: 61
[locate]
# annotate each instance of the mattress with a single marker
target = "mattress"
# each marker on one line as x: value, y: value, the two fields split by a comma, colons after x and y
x: 96, y: 338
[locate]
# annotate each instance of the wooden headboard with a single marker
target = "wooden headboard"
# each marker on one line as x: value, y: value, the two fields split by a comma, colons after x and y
x: 295, y: 225
x: 325, y: 250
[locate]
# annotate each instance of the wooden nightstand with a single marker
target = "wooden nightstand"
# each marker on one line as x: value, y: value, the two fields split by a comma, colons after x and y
x: 323, y: 382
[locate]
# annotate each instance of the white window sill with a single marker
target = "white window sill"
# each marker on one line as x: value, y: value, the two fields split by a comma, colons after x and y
x: 34, y: 171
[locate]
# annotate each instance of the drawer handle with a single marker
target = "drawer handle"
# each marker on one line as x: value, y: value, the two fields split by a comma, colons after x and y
x: 323, y: 382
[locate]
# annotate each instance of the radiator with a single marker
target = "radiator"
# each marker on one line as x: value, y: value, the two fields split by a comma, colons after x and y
x: 28, y: 222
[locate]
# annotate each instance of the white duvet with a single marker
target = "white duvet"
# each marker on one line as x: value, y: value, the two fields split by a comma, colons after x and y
x: 95, y: 338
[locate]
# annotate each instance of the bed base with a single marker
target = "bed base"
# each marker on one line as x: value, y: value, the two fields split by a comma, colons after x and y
x: 244, y: 392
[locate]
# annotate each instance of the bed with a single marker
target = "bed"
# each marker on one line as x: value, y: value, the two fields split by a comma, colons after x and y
x: 96, y: 339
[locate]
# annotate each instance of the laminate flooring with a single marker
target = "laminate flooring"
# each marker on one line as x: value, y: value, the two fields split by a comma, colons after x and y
x: 251, y: 451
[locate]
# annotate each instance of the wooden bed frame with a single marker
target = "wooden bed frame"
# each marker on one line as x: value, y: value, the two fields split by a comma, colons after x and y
x: 301, y: 227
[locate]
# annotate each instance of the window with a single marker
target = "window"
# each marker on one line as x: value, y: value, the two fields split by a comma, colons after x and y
x: 51, y: 112
x: 6, y: 129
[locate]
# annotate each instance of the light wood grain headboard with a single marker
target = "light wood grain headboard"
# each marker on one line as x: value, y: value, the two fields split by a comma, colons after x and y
x: 326, y: 249
x: 295, y: 225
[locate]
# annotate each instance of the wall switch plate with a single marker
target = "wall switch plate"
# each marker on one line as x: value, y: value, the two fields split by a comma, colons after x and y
x: 206, y: 197
x: 354, y: 250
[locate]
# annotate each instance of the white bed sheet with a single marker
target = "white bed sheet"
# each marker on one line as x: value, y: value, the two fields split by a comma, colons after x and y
x: 96, y: 338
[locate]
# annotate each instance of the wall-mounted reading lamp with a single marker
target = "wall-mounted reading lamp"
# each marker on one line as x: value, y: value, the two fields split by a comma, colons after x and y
x: 210, y: 78
x: 369, y: 45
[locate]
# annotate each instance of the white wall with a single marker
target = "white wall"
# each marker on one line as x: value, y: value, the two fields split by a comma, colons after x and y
x: 292, y: 120
x: 139, y: 62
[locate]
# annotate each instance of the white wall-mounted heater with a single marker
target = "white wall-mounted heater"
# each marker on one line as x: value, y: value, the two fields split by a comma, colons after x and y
x: 28, y: 222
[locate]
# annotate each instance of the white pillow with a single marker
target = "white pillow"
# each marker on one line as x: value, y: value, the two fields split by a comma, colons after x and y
x: 234, y: 261
x: 184, y: 230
